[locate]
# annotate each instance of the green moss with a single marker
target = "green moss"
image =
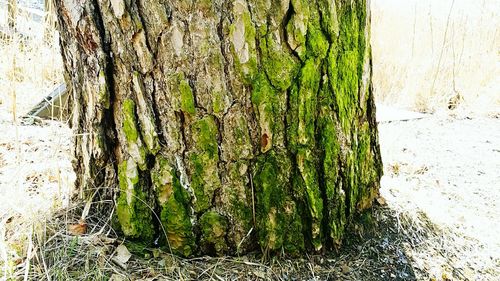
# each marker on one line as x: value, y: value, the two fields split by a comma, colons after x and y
x: 346, y: 88
x: 217, y: 102
x: 303, y: 96
x: 260, y: 13
x: 345, y: 62
x: 308, y: 178
x: 294, y: 239
x: 303, y: 107
x: 243, y: 45
x: 274, y: 208
x: 329, y: 18
x: 301, y: 7
x: 204, y: 132
x: 262, y: 91
x: 266, y: 104
x: 104, y: 97
x: 297, y: 26
x: 186, y: 96
x: 352, y: 185
x: 333, y: 54
x: 309, y: 85
x: 174, y: 202
x: 317, y: 44
x: 130, y: 129
x: 330, y: 150
x: 237, y: 198
x: 368, y: 172
x: 302, y: 119
x: 133, y: 204
x: 214, y: 228
x: 345, y: 69
x: 203, y: 160
x: 129, y: 121
x: 322, y: 79
x: 280, y: 66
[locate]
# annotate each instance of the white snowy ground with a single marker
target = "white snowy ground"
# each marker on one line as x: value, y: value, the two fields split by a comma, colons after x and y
x: 448, y: 171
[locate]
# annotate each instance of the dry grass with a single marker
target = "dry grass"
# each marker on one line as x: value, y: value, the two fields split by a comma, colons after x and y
x: 433, y: 55
x: 35, y: 178
x: 35, y: 168
x: 29, y: 67
x: 369, y: 254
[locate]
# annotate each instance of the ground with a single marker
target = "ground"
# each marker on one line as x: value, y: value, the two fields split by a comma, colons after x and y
x: 444, y: 171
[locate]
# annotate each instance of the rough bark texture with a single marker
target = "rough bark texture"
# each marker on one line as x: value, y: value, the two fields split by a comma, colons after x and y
x: 227, y: 125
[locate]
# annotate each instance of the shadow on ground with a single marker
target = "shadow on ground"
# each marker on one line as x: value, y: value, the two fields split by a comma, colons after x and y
x: 377, y: 249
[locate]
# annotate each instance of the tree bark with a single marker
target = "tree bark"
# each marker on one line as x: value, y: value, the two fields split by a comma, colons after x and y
x: 224, y: 126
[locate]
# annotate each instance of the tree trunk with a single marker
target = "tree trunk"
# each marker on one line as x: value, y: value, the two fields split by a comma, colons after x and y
x: 227, y: 125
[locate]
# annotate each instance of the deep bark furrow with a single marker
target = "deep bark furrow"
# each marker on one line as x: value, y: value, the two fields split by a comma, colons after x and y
x: 109, y: 124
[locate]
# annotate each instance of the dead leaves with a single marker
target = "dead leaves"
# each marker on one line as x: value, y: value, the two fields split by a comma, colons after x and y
x: 81, y: 227
x: 78, y: 229
x: 121, y: 256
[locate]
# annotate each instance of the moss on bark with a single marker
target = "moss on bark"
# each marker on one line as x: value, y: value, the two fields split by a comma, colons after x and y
x: 202, y: 161
x: 173, y: 201
x: 133, y: 209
